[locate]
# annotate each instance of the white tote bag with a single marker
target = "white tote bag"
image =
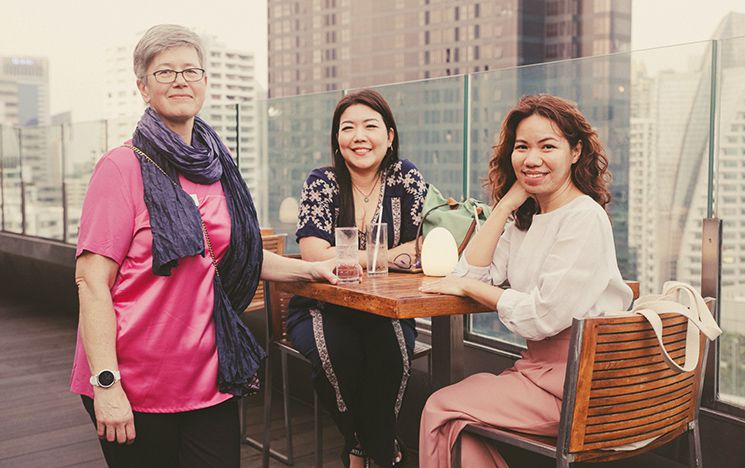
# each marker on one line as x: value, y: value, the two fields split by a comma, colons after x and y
x: 683, y: 299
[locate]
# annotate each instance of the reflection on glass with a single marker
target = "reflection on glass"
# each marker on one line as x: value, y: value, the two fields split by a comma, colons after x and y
x: 429, y: 117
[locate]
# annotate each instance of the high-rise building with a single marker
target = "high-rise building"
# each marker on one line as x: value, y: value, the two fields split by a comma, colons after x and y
x: 325, y: 45
x: 24, y: 104
x: 24, y: 91
x: 231, y: 107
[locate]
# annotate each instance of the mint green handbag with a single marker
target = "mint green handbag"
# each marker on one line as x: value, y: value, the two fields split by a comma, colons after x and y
x: 457, y: 217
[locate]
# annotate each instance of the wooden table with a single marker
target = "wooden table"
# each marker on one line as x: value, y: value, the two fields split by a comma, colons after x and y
x: 397, y: 296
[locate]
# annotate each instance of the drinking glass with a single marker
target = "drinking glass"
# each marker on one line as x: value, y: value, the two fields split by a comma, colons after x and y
x: 347, y: 261
x: 377, y: 249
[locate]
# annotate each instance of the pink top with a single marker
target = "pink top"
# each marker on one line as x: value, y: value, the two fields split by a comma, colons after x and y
x: 165, y: 337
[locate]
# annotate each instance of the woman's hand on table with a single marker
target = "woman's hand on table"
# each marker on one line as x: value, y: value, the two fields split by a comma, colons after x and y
x: 453, y: 285
x: 114, y: 419
x: 323, y: 271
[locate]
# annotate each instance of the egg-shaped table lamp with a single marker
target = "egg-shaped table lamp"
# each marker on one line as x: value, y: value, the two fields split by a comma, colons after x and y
x: 439, y: 252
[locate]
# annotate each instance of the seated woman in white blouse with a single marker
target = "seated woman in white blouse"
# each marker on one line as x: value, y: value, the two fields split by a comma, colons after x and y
x: 549, y: 172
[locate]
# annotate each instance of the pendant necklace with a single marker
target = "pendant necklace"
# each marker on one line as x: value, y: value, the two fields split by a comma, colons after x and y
x: 365, y: 196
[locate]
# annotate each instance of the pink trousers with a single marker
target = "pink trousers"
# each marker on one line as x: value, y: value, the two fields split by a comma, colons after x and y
x: 525, y: 398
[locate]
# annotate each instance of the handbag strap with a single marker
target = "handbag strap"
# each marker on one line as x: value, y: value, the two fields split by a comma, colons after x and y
x: 697, y: 312
x: 175, y: 184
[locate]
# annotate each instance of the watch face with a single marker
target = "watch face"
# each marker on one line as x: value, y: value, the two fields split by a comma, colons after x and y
x: 106, y: 378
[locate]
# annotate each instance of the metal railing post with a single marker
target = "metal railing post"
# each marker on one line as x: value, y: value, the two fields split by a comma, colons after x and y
x: 238, y: 136
x: 64, y: 185
x: 2, y: 182
x: 23, y: 184
x: 711, y: 262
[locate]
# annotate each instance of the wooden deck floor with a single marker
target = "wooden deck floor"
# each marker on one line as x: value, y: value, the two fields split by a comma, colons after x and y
x: 43, y: 425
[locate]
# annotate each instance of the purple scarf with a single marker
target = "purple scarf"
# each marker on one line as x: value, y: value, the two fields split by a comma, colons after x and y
x: 177, y: 233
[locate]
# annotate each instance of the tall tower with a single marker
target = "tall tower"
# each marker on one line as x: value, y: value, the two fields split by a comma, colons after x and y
x: 24, y: 91
x: 31, y: 168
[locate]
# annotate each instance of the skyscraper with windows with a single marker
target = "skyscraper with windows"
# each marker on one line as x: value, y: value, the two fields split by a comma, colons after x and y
x: 24, y: 91
x: 322, y: 45
x: 33, y: 171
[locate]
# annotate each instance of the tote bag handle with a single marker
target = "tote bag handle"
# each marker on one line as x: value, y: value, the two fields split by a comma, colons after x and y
x: 697, y: 312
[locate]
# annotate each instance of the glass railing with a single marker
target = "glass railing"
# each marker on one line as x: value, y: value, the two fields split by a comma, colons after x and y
x: 730, y: 207
x: 654, y: 110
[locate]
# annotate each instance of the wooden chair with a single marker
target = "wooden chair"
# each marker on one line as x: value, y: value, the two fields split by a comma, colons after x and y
x: 273, y: 243
x: 618, y: 390
x: 278, y: 305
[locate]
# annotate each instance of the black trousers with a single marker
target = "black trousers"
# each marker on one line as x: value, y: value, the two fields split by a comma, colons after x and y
x: 208, y: 438
x: 360, y: 368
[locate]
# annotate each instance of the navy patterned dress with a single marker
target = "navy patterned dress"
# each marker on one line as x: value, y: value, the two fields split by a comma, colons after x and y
x: 360, y: 361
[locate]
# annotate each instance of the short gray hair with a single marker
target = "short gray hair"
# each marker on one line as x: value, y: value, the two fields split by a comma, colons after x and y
x: 163, y: 37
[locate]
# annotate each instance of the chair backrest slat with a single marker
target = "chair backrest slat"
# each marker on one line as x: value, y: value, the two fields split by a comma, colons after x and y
x: 272, y: 243
x: 624, y: 336
x: 598, y: 415
x: 625, y: 392
x: 654, y: 379
x: 638, y: 361
x: 639, y: 344
x: 636, y: 398
x: 650, y: 402
x: 637, y: 434
x: 650, y: 351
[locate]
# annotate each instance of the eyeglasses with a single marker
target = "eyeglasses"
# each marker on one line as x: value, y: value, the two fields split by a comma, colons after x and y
x: 169, y: 76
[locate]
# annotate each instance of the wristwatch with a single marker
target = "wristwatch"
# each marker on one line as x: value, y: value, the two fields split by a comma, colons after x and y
x: 105, y: 378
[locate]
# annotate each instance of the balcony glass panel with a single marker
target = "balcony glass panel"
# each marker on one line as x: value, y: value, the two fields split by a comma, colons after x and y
x: 651, y: 112
x: 430, y: 121
x: 84, y: 144
x: 297, y: 141
x: 12, y: 194
x: 253, y: 154
x: 731, y: 80
x: 41, y: 157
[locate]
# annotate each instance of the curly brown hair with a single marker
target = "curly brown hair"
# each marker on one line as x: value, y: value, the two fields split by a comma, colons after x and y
x: 590, y: 173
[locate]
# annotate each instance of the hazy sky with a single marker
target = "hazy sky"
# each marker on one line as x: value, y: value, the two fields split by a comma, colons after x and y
x: 75, y: 34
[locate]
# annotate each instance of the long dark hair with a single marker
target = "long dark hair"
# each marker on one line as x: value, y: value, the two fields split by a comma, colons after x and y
x: 590, y: 173
x: 375, y: 101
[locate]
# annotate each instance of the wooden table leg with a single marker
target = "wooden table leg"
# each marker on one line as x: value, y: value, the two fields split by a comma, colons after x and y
x: 447, y: 350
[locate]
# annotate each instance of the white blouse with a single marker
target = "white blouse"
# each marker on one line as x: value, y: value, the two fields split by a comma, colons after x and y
x: 563, y: 266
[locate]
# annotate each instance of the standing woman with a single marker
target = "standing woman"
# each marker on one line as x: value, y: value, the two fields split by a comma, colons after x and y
x: 548, y: 172
x: 360, y: 360
x: 169, y: 252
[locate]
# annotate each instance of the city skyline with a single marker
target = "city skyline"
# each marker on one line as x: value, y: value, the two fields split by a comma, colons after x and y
x: 76, y: 84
